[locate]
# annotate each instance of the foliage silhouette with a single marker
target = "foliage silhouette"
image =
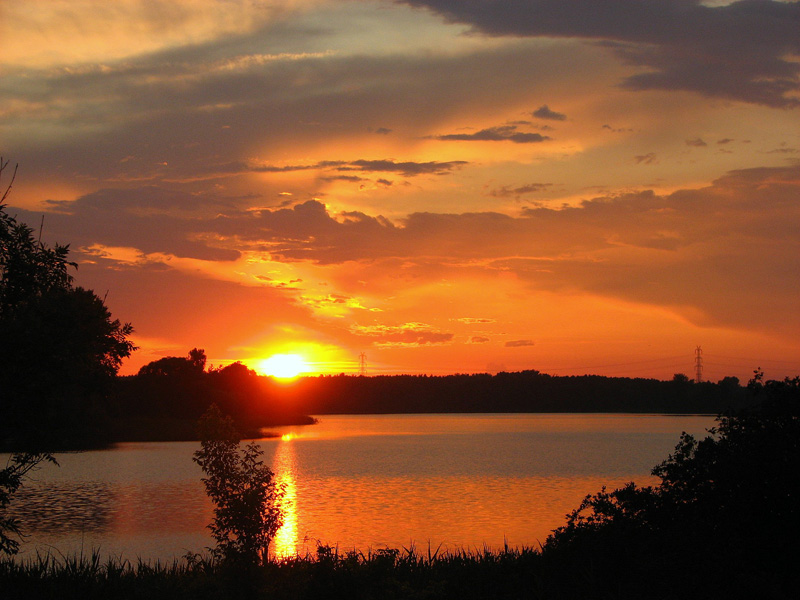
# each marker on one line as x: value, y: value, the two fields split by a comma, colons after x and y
x: 28, y: 268
x: 247, y: 512
x: 11, y: 477
x: 728, y: 504
x: 173, y: 366
x: 59, y: 350
x: 59, y: 346
x: 167, y: 397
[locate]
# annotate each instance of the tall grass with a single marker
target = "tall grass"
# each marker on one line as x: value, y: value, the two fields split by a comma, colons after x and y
x: 376, y: 574
x: 385, y: 574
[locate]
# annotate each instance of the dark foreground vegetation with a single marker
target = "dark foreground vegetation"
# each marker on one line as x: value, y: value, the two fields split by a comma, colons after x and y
x: 60, y: 348
x: 722, y: 523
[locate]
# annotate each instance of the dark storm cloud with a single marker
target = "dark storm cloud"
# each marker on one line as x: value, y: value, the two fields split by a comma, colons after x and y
x: 501, y: 133
x: 739, y: 51
x: 544, y: 112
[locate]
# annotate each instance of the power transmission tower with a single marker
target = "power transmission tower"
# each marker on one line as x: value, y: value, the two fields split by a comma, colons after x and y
x: 698, y: 365
x: 362, y: 369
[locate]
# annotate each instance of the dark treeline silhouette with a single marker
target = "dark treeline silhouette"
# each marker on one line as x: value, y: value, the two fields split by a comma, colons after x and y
x: 525, y: 391
x: 165, y: 399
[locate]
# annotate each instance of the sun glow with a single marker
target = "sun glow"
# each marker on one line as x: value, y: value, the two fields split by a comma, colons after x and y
x: 283, y: 366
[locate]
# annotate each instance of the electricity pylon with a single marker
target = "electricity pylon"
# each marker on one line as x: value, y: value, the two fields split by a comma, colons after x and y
x: 362, y: 369
x: 698, y: 365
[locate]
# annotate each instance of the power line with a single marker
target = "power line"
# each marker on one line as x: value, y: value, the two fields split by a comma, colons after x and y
x: 753, y: 361
x: 671, y: 359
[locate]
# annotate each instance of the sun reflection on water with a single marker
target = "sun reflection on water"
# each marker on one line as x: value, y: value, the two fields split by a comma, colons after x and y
x: 284, y: 465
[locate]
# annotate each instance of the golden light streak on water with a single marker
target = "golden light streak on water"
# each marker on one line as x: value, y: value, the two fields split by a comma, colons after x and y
x: 284, y: 466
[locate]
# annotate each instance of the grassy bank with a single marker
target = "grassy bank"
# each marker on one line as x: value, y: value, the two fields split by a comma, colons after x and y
x: 382, y: 575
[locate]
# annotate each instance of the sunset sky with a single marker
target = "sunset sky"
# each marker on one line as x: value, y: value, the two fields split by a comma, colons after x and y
x: 444, y: 185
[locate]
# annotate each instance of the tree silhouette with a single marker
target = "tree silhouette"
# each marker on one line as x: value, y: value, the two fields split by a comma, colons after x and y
x: 175, y: 366
x: 59, y: 349
x: 28, y: 268
x: 247, y: 514
x: 197, y: 356
x: 59, y: 346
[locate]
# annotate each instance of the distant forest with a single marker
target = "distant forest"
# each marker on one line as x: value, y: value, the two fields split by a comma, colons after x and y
x: 165, y: 399
x: 525, y: 391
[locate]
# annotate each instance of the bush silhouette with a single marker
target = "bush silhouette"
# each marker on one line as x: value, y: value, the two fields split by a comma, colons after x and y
x: 722, y: 518
x: 247, y: 512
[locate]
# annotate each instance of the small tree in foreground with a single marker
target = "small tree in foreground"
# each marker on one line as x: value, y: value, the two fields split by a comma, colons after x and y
x: 247, y: 512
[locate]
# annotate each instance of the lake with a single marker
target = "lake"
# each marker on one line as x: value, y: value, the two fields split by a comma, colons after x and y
x: 357, y: 482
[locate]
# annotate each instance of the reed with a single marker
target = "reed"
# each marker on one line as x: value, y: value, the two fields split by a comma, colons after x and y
x: 381, y: 573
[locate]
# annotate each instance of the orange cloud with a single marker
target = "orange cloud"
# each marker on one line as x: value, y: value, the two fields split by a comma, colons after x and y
x: 402, y: 336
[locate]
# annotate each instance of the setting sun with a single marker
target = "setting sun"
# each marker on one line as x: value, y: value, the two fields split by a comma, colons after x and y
x: 283, y: 366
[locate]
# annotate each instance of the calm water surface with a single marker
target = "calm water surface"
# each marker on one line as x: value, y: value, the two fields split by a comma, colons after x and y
x: 460, y: 481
